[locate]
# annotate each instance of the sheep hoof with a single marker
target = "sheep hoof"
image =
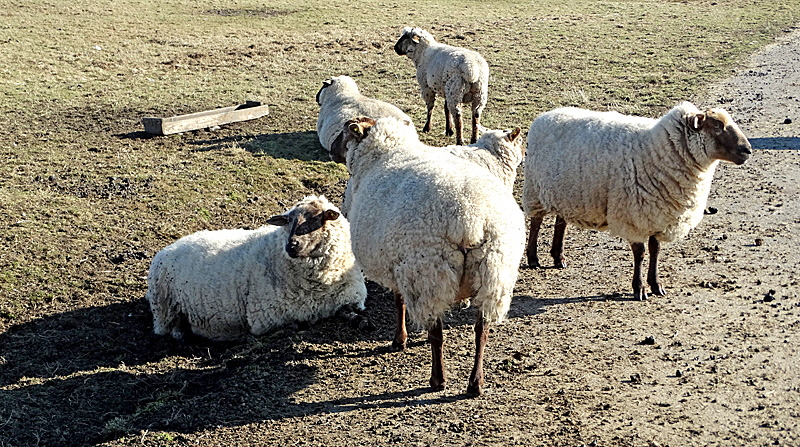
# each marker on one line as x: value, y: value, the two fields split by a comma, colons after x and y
x: 398, y: 346
x: 474, y: 390
x: 534, y: 263
x: 657, y: 290
x: 437, y: 385
x: 426, y: 128
x: 560, y: 264
x: 449, y: 132
x: 639, y: 295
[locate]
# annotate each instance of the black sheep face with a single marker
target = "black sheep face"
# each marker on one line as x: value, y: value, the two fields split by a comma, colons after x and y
x: 305, y: 223
x: 407, y: 43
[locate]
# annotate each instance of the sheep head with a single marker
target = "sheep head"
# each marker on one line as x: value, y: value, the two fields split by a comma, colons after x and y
x: 409, y: 39
x: 724, y: 139
x: 335, y: 85
x: 305, y: 221
x: 325, y: 84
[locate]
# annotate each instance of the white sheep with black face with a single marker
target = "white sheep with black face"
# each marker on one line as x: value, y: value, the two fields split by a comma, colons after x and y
x: 456, y: 74
x: 642, y: 179
x: 225, y: 284
x: 339, y: 101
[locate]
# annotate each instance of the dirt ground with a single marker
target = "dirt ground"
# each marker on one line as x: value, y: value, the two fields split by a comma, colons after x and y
x: 714, y: 363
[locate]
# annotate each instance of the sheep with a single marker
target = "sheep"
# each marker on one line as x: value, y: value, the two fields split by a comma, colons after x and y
x: 340, y: 100
x: 642, y: 179
x: 435, y: 229
x: 499, y: 151
x: 223, y: 284
x: 457, y: 74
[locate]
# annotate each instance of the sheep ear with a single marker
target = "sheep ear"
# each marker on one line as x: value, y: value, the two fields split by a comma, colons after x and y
x: 330, y: 215
x: 514, y: 134
x: 355, y: 130
x: 695, y: 121
x: 279, y: 220
x: 358, y: 127
x: 415, y: 38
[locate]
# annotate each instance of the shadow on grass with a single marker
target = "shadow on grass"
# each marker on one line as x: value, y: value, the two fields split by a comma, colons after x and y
x: 780, y: 143
x: 302, y: 146
x: 99, y: 374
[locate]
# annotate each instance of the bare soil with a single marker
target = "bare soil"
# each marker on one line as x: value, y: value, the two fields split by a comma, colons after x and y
x: 714, y: 363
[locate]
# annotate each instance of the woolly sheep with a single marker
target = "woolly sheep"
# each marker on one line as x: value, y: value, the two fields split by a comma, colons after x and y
x: 340, y: 100
x: 457, y: 74
x: 435, y: 229
x: 224, y: 284
x: 499, y: 151
x: 642, y: 179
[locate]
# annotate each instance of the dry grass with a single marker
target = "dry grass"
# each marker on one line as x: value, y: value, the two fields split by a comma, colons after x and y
x: 86, y: 198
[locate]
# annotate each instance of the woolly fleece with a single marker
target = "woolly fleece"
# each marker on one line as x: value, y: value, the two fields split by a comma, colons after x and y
x: 631, y: 176
x: 341, y: 101
x: 229, y: 283
x: 414, y: 210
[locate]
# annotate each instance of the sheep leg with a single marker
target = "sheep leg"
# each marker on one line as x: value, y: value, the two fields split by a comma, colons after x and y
x: 533, y: 239
x: 476, y: 122
x: 458, y: 122
x: 430, y: 101
x: 436, y: 339
x: 639, y: 293
x: 475, y: 386
x: 448, y: 119
x: 557, y: 249
x: 652, y: 272
x: 400, y: 334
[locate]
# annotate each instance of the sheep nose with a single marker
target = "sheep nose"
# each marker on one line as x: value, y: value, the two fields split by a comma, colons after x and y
x: 291, y: 248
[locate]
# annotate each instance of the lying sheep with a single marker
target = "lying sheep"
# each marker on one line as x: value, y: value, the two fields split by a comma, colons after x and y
x: 435, y: 229
x: 224, y: 284
x: 339, y: 101
x: 456, y: 74
x: 642, y: 179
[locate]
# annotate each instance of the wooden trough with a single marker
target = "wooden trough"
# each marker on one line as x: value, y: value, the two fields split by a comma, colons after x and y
x: 193, y: 121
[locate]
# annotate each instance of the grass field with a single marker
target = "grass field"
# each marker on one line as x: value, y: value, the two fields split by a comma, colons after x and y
x: 87, y: 198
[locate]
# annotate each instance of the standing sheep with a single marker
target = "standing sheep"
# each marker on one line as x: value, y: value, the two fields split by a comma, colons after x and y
x: 499, y: 151
x: 642, y: 179
x: 457, y: 74
x: 339, y: 100
x: 227, y: 283
x: 435, y: 229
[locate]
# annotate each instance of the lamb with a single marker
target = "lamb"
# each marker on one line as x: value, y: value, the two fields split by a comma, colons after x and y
x: 457, y: 74
x: 642, y: 179
x: 340, y: 100
x: 499, y: 151
x: 435, y: 229
x: 224, y: 284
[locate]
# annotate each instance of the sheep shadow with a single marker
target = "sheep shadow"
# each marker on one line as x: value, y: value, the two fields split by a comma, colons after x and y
x: 778, y: 143
x: 303, y: 146
x: 526, y: 305
x: 97, y: 374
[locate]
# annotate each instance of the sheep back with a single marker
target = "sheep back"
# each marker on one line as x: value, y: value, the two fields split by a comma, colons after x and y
x: 415, y: 213
x: 340, y: 100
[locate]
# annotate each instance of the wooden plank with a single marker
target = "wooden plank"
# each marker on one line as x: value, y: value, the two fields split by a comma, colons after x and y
x: 209, y: 118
